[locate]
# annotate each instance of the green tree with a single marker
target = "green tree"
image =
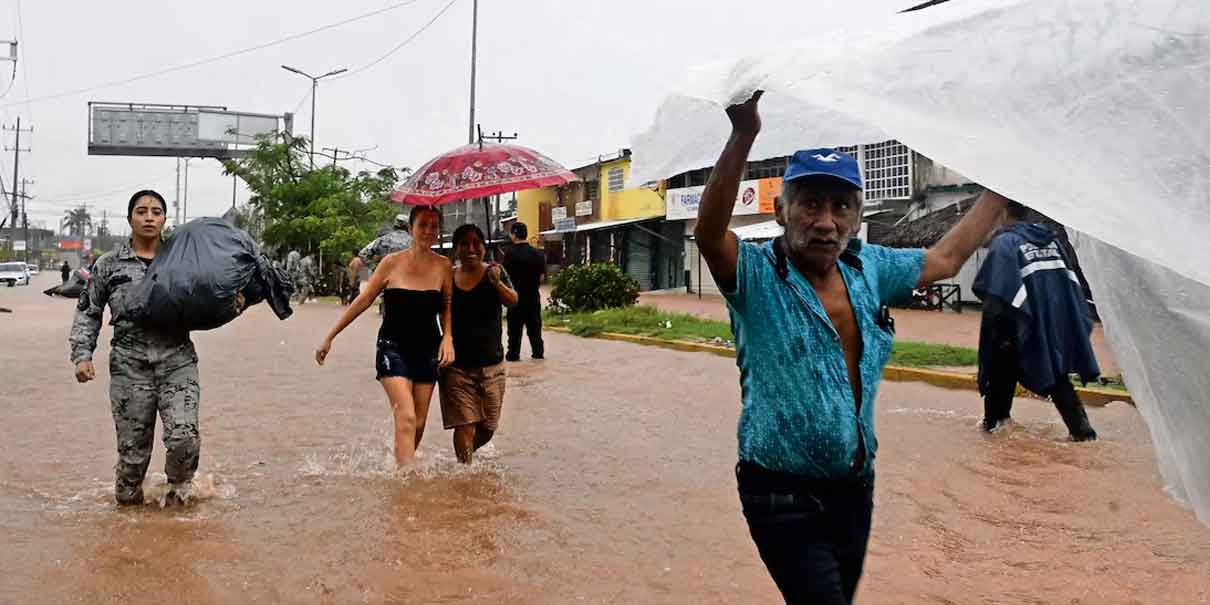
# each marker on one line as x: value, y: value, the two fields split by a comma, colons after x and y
x: 328, y: 209
x: 76, y: 221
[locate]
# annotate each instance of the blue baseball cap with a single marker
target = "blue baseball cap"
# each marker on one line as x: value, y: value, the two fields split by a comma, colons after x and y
x: 824, y: 161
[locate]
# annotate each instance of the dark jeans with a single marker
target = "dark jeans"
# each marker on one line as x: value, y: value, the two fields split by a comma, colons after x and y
x: 1002, y: 386
x: 811, y: 534
x: 526, y: 315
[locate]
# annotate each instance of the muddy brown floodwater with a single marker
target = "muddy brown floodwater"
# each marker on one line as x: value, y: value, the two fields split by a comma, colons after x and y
x: 610, y: 481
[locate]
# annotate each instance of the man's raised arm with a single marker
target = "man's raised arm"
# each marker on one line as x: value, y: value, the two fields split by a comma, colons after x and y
x: 946, y: 258
x: 715, y: 242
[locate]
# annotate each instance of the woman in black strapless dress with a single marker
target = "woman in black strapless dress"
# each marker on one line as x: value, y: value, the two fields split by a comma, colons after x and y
x: 415, y: 339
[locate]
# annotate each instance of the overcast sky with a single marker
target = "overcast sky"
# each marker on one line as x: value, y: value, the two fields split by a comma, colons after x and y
x: 575, y: 78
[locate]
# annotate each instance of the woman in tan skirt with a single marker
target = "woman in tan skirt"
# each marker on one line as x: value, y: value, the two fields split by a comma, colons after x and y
x: 472, y: 388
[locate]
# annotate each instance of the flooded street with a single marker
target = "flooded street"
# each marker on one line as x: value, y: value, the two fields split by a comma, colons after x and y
x: 610, y: 481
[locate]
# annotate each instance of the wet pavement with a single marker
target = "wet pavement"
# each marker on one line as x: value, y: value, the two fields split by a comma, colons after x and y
x: 610, y: 481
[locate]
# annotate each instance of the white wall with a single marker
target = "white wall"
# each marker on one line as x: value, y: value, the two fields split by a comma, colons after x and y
x: 692, y: 257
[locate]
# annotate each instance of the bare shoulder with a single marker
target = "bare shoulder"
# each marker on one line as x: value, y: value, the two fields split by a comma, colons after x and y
x: 443, y: 266
x: 394, y: 260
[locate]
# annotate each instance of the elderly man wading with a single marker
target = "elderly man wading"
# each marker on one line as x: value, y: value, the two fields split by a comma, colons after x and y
x: 813, y: 332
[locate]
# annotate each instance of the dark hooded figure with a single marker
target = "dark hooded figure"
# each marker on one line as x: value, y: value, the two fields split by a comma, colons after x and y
x: 1036, y: 324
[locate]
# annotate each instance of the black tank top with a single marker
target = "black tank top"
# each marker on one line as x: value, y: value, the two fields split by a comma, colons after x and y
x: 477, y: 314
x: 411, y: 318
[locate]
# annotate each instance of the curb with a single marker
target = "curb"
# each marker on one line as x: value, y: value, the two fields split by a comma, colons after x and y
x: 949, y: 380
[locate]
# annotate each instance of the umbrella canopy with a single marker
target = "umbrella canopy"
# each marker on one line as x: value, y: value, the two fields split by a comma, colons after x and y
x: 480, y: 170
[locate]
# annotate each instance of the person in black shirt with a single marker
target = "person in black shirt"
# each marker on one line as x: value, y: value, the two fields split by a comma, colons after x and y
x: 472, y: 388
x: 527, y: 266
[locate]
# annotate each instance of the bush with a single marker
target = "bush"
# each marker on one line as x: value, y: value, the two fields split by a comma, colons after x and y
x: 592, y: 287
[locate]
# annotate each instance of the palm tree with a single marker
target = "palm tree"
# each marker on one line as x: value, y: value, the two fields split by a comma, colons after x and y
x: 76, y: 221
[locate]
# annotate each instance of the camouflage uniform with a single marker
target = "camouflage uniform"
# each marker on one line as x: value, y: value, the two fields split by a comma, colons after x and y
x: 391, y: 241
x: 304, y: 278
x: 149, y: 371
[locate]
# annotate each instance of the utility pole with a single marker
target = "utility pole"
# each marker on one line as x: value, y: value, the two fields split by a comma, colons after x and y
x: 25, y: 218
x: 498, y: 137
x: 336, y: 154
x: 470, y: 129
x: 16, y: 149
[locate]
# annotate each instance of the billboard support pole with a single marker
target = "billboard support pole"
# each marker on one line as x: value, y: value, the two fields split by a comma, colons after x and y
x: 185, y: 202
x: 176, y: 201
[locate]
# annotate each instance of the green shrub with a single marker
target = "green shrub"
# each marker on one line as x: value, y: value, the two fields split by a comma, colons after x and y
x: 592, y: 287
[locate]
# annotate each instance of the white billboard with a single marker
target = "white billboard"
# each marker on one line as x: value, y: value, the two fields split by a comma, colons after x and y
x: 233, y: 128
x: 682, y: 203
x: 175, y: 130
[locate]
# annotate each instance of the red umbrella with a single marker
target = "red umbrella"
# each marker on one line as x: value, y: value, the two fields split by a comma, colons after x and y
x: 480, y: 170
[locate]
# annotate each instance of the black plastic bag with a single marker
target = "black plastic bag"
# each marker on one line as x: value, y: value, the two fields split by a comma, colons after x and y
x: 72, y: 287
x: 197, y: 274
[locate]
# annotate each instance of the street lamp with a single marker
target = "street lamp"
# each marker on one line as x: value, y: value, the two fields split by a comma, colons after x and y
x: 314, y: 85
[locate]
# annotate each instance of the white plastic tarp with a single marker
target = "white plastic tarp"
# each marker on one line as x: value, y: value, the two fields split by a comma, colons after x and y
x: 1091, y: 111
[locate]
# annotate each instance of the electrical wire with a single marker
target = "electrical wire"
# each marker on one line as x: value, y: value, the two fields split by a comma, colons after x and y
x: 299, y: 105
x: 200, y: 62
x: 399, y: 46
x: 75, y: 196
x: 24, y: 64
x: 11, y: 82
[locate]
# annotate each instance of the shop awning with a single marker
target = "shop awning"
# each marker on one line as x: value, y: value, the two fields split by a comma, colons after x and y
x: 600, y: 225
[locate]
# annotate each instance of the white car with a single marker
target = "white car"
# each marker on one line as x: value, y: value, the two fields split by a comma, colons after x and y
x: 33, y: 269
x: 14, y: 274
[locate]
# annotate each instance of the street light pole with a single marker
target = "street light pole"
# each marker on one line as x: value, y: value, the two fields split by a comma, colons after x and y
x: 314, y: 87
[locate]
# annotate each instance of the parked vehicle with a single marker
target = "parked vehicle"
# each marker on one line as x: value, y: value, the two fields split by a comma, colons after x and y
x: 14, y: 274
x: 33, y: 269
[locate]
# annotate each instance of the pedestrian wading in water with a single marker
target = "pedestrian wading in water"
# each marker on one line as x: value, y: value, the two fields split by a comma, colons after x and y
x: 810, y: 315
x: 472, y: 388
x: 151, y: 371
x: 416, y: 338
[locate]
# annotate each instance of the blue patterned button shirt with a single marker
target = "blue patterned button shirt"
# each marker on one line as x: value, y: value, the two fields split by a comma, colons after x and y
x: 798, y: 411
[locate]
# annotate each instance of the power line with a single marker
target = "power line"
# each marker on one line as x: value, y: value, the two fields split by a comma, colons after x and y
x: 402, y: 44
x: 224, y: 56
x: 74, y: 196
x: 301, y: 101
x: 11, y: 82
x: 24, y: 62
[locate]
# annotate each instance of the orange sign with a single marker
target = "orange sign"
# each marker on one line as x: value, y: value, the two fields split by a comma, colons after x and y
x: 770, y: 188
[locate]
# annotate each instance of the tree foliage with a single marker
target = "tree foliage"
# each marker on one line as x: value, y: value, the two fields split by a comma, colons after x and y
x: 76, y: 221
x: 328, y: 209
x: 592, y: 287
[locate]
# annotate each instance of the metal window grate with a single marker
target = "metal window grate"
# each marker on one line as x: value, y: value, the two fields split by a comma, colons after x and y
x: 887, y: 169
x: 617, y: 179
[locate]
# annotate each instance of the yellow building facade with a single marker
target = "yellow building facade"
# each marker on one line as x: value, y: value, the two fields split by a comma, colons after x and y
x: 603, y: 185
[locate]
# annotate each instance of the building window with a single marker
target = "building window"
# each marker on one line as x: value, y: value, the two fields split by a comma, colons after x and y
x: 764, y: 169
x: 592, y: 190
x: 887, y: 171
x: 617, y: 179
